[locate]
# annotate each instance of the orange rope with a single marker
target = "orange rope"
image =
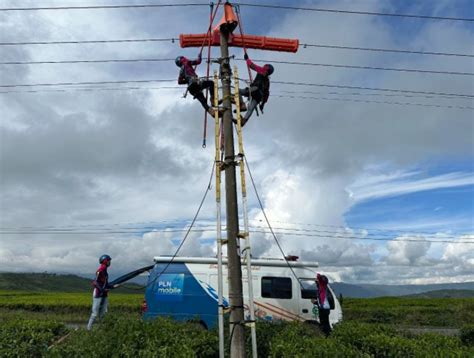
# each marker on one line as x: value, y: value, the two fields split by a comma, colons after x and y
x: 237, y: 11
x: 209, y: 38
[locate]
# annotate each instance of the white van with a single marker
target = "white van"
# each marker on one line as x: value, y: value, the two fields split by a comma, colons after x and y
x: 187, y: 289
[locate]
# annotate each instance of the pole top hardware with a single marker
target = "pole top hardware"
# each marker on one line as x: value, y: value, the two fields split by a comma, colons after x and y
x: 228, y: 24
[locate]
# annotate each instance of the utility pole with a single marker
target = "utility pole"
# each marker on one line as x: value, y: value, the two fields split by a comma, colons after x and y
x: 222, y: 36
x: 237, y: 344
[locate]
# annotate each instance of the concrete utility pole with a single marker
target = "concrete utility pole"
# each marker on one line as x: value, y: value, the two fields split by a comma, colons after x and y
x: 237, y: 344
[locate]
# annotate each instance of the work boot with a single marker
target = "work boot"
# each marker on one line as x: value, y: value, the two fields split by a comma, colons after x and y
x: 211, y: 111
x: 242, y: 121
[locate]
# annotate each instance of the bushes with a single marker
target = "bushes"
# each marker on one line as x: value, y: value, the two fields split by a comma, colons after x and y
x: 119, y: 337
x: 28, y: 338
x: 467, y: 334
x: 133, y: 337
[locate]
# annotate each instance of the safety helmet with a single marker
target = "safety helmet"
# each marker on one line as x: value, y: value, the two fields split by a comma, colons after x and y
x: 178, y: 61
x: 104, y: 258
x: 269, y: 68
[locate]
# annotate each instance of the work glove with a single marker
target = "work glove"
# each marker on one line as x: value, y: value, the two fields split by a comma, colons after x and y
x: 246, y: 57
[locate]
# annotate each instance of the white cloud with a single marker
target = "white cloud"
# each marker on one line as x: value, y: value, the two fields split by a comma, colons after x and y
x: 113, y: 157
x: 404, y: 183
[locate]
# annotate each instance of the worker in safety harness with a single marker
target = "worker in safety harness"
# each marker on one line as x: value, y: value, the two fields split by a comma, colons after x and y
x: 101, y: 289
x: 259, y: 89
x: 187, y: 76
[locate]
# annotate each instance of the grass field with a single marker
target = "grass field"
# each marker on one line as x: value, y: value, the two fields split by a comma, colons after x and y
x: 33, y: 324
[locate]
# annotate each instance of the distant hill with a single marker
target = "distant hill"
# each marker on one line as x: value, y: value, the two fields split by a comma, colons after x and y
x: 369, y: 290
x: 50, y: 282
x: 445, y: 294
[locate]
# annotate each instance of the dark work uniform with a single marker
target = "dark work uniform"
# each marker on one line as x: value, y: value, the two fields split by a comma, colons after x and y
x: 188, y: 76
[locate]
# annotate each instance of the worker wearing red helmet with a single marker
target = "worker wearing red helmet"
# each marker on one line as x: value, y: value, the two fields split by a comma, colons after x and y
x: 101, y: 289
x: 259, y: 89
x: 187, y: 76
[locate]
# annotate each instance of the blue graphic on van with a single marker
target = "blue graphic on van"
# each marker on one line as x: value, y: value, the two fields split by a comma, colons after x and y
x: 212, y: 292
x: 170, y: 287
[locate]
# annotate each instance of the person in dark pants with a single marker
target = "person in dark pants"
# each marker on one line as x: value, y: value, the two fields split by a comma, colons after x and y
x: 196, y: 86
x: 323, y: 303
x: 259, y: 89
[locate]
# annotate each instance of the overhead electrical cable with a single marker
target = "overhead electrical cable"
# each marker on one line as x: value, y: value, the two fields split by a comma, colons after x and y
x: 183, y: 223
x: 417, y: 70
x: 268, y: 6
x: 171, y: 39
x: 354, y: 12
x: 432, y: 53
x: 174, y: 39
x: 394, y: 90
x: 98, y: 7
x: 373, y: 88
x: 84, y: 83
x: 358, y: 228
x: 373, y: 101
x: 258, y: 60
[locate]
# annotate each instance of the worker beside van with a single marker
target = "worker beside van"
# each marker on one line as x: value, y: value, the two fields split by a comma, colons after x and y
x: 100, y: 292
x: 324, y: 302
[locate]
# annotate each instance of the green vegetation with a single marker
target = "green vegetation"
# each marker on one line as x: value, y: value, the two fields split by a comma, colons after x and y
x: 65, y: 307
x: 444, y: 294
x: 50, y: 282
x: 438, y: 312
x: 36, y: 324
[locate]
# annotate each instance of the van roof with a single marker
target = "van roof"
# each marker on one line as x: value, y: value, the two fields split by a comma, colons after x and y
x: 271, y: 262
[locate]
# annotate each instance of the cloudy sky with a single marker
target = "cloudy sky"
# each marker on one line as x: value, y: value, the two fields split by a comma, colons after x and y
x: 375, y: 192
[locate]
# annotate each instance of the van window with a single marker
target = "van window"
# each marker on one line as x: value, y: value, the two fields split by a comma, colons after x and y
x: 308, y: 288
x: 276, y: 287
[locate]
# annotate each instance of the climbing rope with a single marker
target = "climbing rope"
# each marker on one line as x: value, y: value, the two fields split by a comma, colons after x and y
x: 241, y: 30
x: 209, y: 41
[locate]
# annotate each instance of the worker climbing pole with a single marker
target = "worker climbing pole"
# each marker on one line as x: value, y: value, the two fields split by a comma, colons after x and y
x: 222, y: 35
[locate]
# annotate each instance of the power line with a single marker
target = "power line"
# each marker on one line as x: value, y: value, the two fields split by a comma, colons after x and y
x: 363, y: 238
x: 288, y: 232
x: 353, y: 12
x: 87, y: 61
x: 172, y: 39
x: 367, y: 67
x: 394, y: 90
x: 83, y: 83
x: 376, y: 94
x: 144, y: 6
x: 274, y: 95
x: 97, y: 7
x: 357, y: 228
x: 373, y: 89
x: 346, y: 232
x: 121, y: 88
x: 305, y: 45
x: 373, y: 101
x: 259, y: 60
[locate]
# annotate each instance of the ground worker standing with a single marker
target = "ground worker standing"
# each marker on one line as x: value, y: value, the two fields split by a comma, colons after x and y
x: 101, y: 289
x: 187, y: 76
x: 325, y: 303
x: 259, y: 89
